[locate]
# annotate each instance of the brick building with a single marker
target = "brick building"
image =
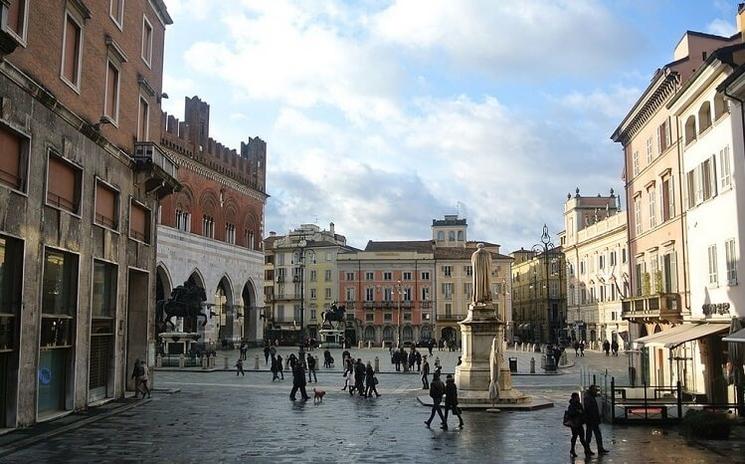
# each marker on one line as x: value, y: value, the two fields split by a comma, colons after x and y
x: 211, y: 230
x: 80, y: 91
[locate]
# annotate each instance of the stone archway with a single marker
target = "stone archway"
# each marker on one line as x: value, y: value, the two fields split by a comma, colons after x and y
x: 224, y: 312
x: 251, y: 313
x: 191, y: 326
x: 163, y: 285
x: 447, y: 334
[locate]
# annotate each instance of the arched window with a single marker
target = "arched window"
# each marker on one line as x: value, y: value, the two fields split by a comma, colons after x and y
x: 387, y: 334
x: 451, y: 236
x: 690, y: 129
x: 460, y: 235
x: 408, y: 333
x: 370, y: 333
x: 721, y: 106
x: 440, y: 235
x: 704, y: 117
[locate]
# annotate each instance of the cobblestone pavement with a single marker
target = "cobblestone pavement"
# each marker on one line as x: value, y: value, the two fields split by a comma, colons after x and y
x: 219, y: 417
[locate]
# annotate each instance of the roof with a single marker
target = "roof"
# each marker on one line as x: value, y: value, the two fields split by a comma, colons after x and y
x: 462, y: 253
x: 269, y: 241
x: 420, y: 246
x: 449, y: 222
x: 473, y: 243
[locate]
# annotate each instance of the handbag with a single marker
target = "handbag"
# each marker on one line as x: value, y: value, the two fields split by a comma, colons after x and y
x: 375, y: 380
x: 567, y: 419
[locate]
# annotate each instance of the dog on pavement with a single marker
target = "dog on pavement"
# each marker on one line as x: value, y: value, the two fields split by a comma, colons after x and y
x: 318, y: 395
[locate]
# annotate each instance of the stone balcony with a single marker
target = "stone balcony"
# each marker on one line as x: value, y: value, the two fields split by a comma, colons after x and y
x: 450, y: 317
x: 155, y: 169
x: 658, y: 306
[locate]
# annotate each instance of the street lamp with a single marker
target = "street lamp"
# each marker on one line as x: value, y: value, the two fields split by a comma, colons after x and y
x: 543, y: 248
x: 398, y: 318
x: 301, y: 250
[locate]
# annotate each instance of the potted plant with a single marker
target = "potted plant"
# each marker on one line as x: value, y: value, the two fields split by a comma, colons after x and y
x: 707, y: 425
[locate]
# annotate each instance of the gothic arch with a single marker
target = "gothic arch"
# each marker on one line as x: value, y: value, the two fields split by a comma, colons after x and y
x: 208, y: 202
x: 184, y: 199
x: 164, y: 283
x: 197, y: 277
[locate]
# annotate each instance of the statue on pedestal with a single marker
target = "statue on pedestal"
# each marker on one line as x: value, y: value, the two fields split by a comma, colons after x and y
x: 185, y: 302
x: 481, y: 263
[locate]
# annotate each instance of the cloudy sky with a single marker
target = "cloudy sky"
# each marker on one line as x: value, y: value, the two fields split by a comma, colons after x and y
x: 381, y: 115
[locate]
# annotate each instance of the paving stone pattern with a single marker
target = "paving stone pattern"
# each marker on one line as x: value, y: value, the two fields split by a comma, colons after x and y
x: 221, y: 418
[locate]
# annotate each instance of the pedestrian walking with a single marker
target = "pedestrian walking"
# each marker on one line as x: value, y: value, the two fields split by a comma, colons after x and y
x: 576, y: 348
x: 451, y: 399
x: 312, y: 368
x: 438, y: 366
x: 267, y: 354
x: 606, y: 347
x: 359, y: 377
x: 348, y: 380
x: 239, y: 368
x: 582, y: 349
x: 436, y: 392
x: 425, y: 374
x: 298, y: 382
x: 412, y: 358
x: 574, y: 417
x: 139, y: 373
x: 291, y: 361
x: 275, y: 369
x: 592, y: 418
x: 396, y: 360
x: 614, y: 347
x: 371, y: 381
x: 280, y: 366
x: 327, y: 359
x: 418, y: 361
x: 349, y: 366
x: 430, y: 345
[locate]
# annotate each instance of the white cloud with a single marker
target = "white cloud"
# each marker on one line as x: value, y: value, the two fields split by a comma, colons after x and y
x: 502, y: 38
x: 721, y: 27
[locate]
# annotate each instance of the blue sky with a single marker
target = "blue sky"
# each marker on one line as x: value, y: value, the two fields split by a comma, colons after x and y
x: 383, y: 115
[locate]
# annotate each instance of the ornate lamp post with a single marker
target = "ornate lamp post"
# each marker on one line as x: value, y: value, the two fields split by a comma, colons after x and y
x: 543, y: 248
x: 300, y: 250
x: 399, y: 292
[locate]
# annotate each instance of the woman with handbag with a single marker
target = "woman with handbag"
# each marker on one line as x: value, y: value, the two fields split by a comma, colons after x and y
x: 370, y: 381
x: 574, y: 417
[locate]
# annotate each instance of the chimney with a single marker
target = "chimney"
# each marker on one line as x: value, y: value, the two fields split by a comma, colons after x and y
x: 741, y: 20
x: 331, y: 228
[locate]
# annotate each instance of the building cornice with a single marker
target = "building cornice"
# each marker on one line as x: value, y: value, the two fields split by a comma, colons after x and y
x: 653, y: 98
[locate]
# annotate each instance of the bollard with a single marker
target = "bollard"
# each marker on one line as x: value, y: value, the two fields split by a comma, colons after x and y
x: 564, y: 360
x: 212, y: 360
x: 181, y: 361
x: 226, y: 361
x: 543, y: 362
x: 377, y: 364
x: 204, y: 361
x: 256, y: 362
x: 369, y: 344
x: 360, y: 344
x: 532, y: 365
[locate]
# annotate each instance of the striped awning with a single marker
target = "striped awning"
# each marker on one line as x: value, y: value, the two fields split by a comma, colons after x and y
x: 681, y: 334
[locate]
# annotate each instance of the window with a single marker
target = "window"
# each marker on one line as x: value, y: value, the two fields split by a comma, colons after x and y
x: 327, y: 275
x: 612, y: 258
x: 652, y: 198
x: 730, y: 257
x: 16, y: 18
x: 111, y: 104
x: 143, y: 121
x: 440, y: 236
x: 638, y: 214
x: 713, y: 277
x: 668, y: 199
x: 106, y: 206
x: 183, y: 220
x: 59, y: 299
x: 139, y: 222
x: 425, y: 275
x: 451, y: 236
x: 690, y: 129
x: 387, y: 294
x: 350, y: 275
x: 327, y: 293
x: 11, y: 281
x: 312, y: 293
x: 691, y: 187
x: 369, y: 276
x: 350, y: 294
x: 116, y: 12
x: 208, y: 226
x: 664, y: 136
x: 72, y: 41
x: 635, y: 163
x: 13, y: 159
x: 369, y: 294
x: 64, y: 184
x: 147, y: 41
x: 387, y: 276
x: 704, y: 117
x: 650, y: 151
x: 623, y: 255
x: 460, y: 235
x: 446, y: 271
x: 708, y: 178
x: 370, y: 317
x: 448, y: 310
x: 468, y: 270
x: 407, y: 316
x: 601, y: 262
x: 104, y: 290
x: 407, y: 276
x: 407, y: 294
x: 467, y: 289
x: 425, y: 293
x: 447, y: 291
x: 250, y: 240
x: 230, y: 233
x: 387, y: 317
x: 725, y: 169
x: 721, y: 106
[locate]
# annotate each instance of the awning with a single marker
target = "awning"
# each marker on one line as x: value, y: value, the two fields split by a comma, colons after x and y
x: 681, y: 334
x: 737, y: 337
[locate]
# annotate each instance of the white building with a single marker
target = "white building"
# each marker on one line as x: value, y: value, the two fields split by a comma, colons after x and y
x: 595, y: 248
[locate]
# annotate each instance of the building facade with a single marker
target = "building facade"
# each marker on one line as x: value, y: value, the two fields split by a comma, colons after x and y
x: 653, y: 151
x: 539, y: 295
x: 80, y: 179
x: 305, y: 280
x: 210, y: 231
x: 597, y: 268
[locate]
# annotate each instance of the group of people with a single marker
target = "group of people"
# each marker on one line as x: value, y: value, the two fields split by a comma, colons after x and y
x: 581, y: 414
x: 360, y: 378
x: 579, y: 348
x: 609, y: 347
x: 448, y: 390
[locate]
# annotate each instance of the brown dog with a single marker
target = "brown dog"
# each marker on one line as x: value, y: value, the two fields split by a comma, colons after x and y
x: 318, y: 395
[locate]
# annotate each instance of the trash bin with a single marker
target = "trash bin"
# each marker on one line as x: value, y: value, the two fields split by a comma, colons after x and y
x: 550, y: 363
x: 513, y: 364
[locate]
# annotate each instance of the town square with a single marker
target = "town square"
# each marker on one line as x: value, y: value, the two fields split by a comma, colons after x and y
x: 372, y: 230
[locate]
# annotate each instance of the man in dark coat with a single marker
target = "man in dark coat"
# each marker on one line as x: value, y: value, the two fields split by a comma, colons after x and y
x: 451, y: 399
x: 312, y: 368
x: 359, y: 377
x: 592, y: 418
x: 396, y: 359
x: 298, y: 382
x: 425, y: 374
x: 436, y: 392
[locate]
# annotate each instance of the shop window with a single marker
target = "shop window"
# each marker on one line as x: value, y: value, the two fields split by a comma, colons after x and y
x: 64, y: 184
x: 11, y: 273
x: 59, y: 299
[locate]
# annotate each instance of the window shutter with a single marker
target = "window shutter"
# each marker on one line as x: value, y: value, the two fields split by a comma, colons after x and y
x: 713, y: 175
x: 673, y: 272
x: 138, y: 222
x: 105, y: 205
x: 61, y: 184
x: 10, y: 158
x: 671, y: 196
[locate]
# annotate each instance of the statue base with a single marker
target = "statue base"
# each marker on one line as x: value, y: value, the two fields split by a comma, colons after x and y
x: 175, y: 343
x: 331, y: 338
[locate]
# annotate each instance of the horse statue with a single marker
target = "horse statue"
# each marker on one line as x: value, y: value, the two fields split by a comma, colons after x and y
x: 334, y: 314
x: 185, y: 301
